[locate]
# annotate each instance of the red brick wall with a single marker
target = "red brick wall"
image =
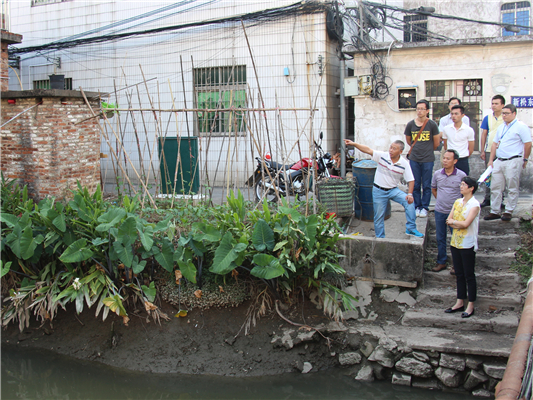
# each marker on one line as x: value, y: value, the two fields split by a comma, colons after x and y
x: 45, y: 149
x: 4, y: 69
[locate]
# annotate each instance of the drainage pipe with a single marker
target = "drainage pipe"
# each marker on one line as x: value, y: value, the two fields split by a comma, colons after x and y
x: 509, y: 387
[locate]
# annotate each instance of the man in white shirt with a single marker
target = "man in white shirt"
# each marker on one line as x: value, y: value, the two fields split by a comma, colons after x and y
x: 447, y: 119
x: 459, y: 137
x: 509, y: 154
x: 392, y: 167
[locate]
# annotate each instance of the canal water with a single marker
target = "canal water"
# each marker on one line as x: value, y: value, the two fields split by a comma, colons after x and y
x: 39, y: 374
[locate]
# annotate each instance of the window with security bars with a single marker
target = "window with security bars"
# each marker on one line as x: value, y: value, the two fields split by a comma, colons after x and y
x: 415, y: 28
x: 45, y: 84
x: 469, y: 91
x: 516, y: 14
x: 220, y: 88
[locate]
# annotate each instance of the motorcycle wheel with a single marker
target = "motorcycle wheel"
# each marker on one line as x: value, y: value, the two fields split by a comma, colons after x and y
x: 261, y: 191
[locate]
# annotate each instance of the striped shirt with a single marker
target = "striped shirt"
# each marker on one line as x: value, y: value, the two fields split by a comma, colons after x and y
x: 389, y: 174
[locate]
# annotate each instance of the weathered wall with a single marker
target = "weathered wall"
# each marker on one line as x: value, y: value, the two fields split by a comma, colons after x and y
x: 6, y: 39
x: 48, y: 148
x: 378, y: 123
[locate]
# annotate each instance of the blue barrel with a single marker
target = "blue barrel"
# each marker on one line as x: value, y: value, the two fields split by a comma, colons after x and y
x: 363, y: 176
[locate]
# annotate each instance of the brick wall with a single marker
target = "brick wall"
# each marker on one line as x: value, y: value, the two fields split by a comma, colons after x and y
x: 47, y: 147
x: 6, y: 38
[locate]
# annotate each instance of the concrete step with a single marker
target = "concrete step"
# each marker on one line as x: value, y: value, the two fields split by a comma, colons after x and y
x: 504, y: 323
x: 476, y: 343
x: 486, y: 243
x: 502, y: 282
x: 443, y: 298
x: 495, y: 227
x: 500, y: 261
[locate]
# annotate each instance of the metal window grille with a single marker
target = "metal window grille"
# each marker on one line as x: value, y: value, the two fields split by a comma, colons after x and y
x: 220, y: 87
x: 415, y: 28
x: 516, y: 13
x: 469, y: 91
x: 45, y: 84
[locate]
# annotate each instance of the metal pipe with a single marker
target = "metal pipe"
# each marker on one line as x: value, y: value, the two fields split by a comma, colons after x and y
x: 509, y: 387
x: 343, y: 120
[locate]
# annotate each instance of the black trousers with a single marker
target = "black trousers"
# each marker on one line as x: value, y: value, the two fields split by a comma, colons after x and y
x: 464, y: 261
x: 463, y: 165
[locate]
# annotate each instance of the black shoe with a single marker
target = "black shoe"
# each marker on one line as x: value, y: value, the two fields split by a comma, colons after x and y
x: 452, y: 310
x: 485, y: 203
x: 466, y: 315
x: 507, y: 217
x: 491, y: 216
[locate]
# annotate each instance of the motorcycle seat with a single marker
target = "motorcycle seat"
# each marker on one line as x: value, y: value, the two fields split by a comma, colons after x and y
x: 278, y: 166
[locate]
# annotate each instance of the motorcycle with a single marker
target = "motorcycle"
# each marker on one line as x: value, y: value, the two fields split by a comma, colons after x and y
x: 272, y: 180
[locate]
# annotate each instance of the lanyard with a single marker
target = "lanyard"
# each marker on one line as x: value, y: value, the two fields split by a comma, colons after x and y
x: 507, y: 130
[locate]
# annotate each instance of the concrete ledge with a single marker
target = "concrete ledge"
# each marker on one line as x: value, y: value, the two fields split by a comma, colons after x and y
x: 393, y: 259
x: 22, y: 94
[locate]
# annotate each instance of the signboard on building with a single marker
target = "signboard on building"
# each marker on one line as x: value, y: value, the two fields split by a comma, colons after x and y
x: 522, y: 101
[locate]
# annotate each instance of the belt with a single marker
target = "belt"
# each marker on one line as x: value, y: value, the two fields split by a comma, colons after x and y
x: 510, y: 158
x: 382, y: 188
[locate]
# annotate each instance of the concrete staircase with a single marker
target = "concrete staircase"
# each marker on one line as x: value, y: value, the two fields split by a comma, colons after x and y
x: 499, y: 300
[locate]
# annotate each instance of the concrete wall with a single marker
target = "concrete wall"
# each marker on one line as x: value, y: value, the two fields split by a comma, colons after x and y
x: 297, y: 43
x: 378, y: 123
x: 49, y: 148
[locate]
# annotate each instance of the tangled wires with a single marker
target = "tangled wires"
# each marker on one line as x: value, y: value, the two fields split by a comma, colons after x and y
x: 380, y: 88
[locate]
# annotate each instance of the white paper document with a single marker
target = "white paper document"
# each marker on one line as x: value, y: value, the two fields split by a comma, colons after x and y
x: 485, y: 174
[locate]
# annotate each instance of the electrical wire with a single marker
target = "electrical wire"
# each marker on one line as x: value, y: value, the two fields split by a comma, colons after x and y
x: 300, y: 8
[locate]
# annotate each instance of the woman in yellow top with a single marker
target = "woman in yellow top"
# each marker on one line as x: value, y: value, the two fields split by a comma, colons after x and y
x: 464, y: 220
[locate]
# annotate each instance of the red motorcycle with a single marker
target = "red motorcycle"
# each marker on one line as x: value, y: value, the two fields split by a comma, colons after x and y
x: 272, y: 180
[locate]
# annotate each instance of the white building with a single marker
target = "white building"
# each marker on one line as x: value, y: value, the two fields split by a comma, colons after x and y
x: 279, y: 58
x: 438, y: 55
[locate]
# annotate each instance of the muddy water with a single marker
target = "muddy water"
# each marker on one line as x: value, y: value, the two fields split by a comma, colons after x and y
x: 38, y: 374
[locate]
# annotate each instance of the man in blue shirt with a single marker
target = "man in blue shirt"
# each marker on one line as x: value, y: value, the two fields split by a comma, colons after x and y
x: 509, y: 154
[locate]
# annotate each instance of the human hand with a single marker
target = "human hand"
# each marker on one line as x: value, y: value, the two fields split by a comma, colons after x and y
x: 348, y: 142
x: 482, y: 155
x: 409, y: 199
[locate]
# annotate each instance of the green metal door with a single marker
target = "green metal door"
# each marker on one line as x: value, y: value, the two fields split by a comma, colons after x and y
x: 187, y: 179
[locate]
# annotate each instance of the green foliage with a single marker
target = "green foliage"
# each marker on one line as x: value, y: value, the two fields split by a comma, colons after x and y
x: 524, y: 253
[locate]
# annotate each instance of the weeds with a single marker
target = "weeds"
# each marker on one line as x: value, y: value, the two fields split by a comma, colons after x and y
x: 524, y: 253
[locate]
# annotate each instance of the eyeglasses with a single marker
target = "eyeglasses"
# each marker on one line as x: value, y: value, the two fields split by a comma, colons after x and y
x: 507, y: 113
x: 421, y: 109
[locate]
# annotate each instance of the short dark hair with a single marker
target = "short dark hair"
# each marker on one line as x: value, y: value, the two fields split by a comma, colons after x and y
x: 471, y: 183
x: 423, y: 101
x: 511, y: 107
x: 455, y: 153
x: 454, y: 98
x: 399, y: 143
x: 499, y: 97
x: 459, y: 107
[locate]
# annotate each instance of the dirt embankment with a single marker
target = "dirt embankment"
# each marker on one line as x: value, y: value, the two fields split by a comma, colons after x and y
x: 204, y: 342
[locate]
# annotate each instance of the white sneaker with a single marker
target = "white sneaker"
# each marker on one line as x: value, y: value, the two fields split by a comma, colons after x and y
x: 417, y: 212
x: 423, y: 213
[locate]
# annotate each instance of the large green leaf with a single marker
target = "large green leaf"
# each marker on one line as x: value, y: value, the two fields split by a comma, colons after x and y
x: 76, y: 252
x: 4, y: 269
x: 127, y: 233
x: 124, y: 253
x: 147, y: 237
x: 59, y: 222
x: 310, y: 228
x: 8, y: 219
x: 263, y: 236
x: 225, y: 255
x: 267, y: 267
x: 110, y: 218
x: 162, y: 225
x: 28, y: 243
x: 188, y: 270
x: 115, y: 304
x: 13, y: 241
x: 166, y: 255
x: 138, y: 266
x: 149, y: 291
x: 208, y: 232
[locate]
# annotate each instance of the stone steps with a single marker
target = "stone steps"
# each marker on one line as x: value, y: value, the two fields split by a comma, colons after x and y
x: 484, y: 261
x: 503, y: 323
x: 496, y: 227
x: 442, y: 298
x: 479, y: 343
x: 491, y: 281
x: 486, y: 243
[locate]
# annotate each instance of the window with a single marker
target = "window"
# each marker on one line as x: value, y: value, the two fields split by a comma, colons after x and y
x: 469, y: 91
x: 415, y: 28
x: 45, y: 84
x: 220, y: 87
x: 516, y: 14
